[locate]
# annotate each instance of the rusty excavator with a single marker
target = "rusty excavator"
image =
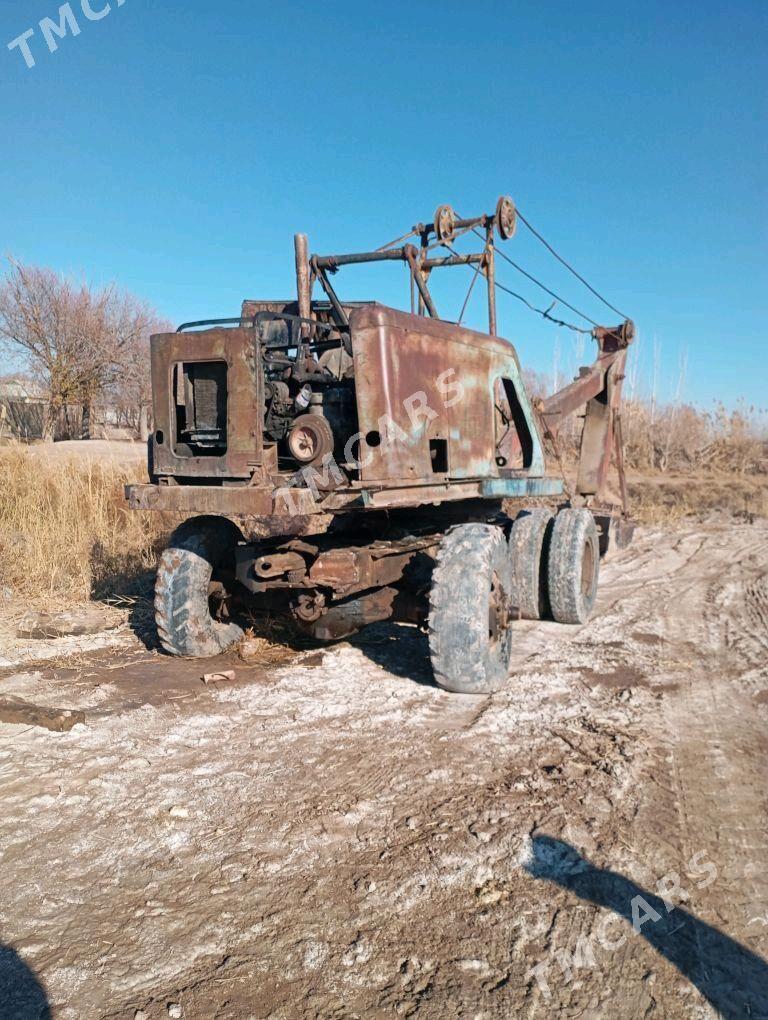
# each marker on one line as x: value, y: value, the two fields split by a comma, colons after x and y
x: 344, y: 463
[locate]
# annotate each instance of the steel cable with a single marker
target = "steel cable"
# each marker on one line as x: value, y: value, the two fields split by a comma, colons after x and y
x: 545, y: 313
x: 569, y: 267
x: 538, y: 283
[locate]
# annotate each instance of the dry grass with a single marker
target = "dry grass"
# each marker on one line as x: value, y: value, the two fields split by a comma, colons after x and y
x: 66, y: 534
x: 683, y: 462
x: 264, y: 645
x: 665, y: 499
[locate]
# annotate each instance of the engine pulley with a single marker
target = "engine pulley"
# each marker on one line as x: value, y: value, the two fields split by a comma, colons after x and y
x: 310, y: 440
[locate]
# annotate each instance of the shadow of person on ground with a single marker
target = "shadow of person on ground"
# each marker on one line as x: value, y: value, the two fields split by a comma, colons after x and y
x: 732, y: 978
x: 22, y: 996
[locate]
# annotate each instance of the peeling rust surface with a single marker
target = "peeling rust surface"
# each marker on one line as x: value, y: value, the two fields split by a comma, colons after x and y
x: 431, y: 380
x: 347, y: 618
x: 201, y: 499
x: 239, y: 350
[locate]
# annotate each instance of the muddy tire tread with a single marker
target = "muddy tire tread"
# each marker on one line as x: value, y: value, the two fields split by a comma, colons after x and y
x: 185, y: 626
x: 527, y: 548
x: 571, y: 529
x: 458, y: 622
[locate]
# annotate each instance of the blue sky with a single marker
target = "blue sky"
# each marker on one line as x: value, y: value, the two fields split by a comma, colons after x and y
x: 176, y: 147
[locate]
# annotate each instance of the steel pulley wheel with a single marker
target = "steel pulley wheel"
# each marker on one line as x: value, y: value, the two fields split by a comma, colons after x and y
x: 445, y: 223
x: 310, y: 440
x: 506, y: 217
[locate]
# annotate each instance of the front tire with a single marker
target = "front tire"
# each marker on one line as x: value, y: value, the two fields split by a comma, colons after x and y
x: 470, y: 638
x: 197, y: 553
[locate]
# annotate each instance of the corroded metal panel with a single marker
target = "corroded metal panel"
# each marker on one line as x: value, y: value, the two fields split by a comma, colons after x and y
x: 597, y: 438
x: 239, y: 350
x: 201, y: 499
x: 514, y: 488
x: 422, y: 383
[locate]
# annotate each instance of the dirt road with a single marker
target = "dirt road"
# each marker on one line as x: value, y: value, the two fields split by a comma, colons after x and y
x: 335, y: 837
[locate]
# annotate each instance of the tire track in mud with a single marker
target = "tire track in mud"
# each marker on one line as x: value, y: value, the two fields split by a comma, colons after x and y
x: 588, y: 985
x: 683, y: 802
x: 711, y: 779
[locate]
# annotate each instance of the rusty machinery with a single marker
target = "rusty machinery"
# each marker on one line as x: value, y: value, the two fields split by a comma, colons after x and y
x: 346, y: 463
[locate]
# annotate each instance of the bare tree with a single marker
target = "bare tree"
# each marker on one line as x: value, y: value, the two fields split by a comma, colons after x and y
x: 116, y: 353
x: 81, y: 341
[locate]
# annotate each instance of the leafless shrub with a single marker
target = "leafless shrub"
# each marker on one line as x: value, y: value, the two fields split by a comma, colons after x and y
x: 82, y: 342
x: 684, y: 439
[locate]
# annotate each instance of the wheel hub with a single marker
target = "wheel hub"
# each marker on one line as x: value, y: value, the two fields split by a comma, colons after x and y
x: 309, y: 606
x: 498, y: 611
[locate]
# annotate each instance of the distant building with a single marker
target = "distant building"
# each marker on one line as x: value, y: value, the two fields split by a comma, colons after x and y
x: 21, y: 390
x: 22, y: 409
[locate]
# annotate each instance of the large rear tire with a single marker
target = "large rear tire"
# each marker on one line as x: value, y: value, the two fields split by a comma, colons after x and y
x: 527, y: 548
x: 197, y: 553
x: 574, y: 566
x: 470, y: 638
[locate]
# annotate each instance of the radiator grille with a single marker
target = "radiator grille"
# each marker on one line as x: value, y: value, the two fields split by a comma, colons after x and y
x: 205, y: 402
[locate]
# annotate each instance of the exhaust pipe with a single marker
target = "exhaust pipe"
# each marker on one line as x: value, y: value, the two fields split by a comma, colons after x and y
x: 301, y: 247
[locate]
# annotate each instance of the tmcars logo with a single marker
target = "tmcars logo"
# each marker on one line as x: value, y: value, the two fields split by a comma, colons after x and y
x: 52, y: 30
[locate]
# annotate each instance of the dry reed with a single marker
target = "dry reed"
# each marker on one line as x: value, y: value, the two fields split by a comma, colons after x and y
x: 66, y: 533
